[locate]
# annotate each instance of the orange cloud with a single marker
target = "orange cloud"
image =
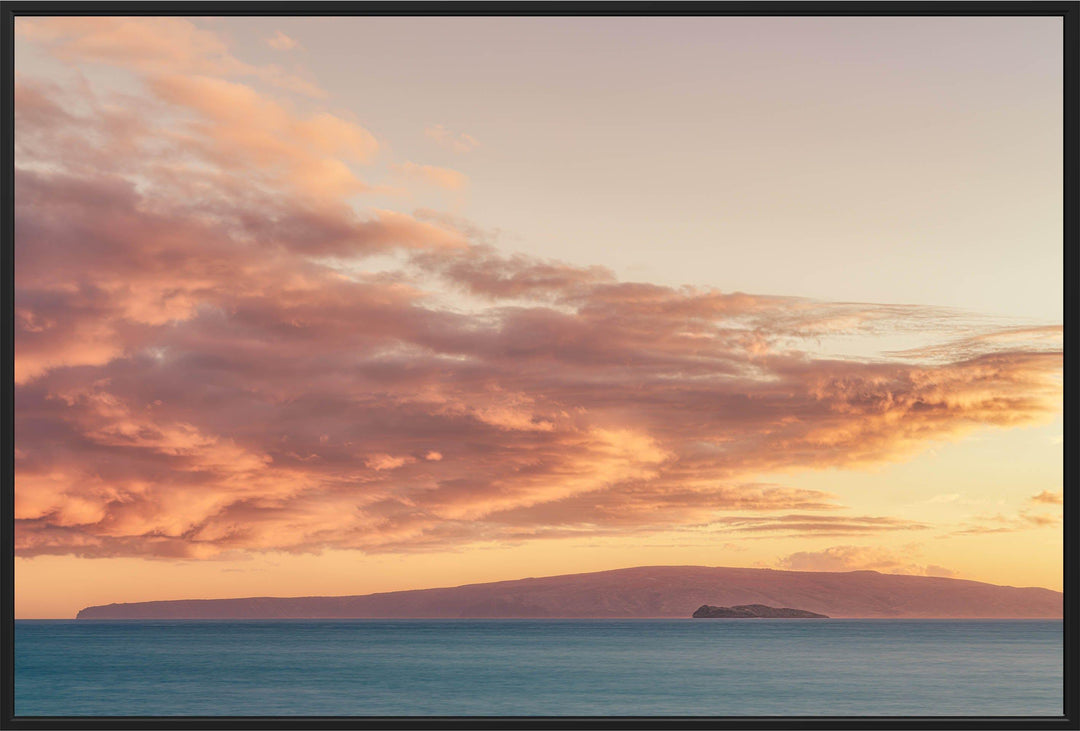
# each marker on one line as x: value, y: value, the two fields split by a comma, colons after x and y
x: 239, y: 129
x: 1047, y: 497
x: 150, y: 46
x: 860, y: 558
x: 169, y: 45
x: 379, y: 462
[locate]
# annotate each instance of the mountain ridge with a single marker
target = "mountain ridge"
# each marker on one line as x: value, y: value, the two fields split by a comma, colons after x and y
x: 636, y: 592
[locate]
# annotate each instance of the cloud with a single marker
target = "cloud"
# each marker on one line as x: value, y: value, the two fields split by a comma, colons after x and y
x: 281, y: 42
x: 1048, y: 498
x: 160, y: 45
x: 598, y: 408
x: 237, y: 129
x: 1045, y: 338
x: 151, y: 46
x: 944, y: 498
x: 210, y: 359
x: 1024, y: 520
x: 820, y: 525
x: 456, y: 142
x: 379, y: 462
x: 861, y: 558
x: 431, y: 175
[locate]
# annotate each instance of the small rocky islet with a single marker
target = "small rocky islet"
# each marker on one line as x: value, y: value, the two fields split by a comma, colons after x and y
x: 754, y: 611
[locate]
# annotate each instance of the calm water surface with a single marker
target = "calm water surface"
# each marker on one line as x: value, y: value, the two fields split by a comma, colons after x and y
x: 543, y: 667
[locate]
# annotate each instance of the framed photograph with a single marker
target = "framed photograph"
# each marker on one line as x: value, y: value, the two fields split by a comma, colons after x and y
x: 548, y: 365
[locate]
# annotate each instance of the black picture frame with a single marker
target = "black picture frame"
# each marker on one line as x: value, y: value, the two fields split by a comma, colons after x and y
x: 1068, y: 11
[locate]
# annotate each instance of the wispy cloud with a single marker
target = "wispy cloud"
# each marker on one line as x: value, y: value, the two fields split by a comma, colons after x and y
x: 432, y: 175
x: 998, y: 523
x: 453, y: 141
x: 281, y: 42
x: 153, y: 47
x: 861, y: 558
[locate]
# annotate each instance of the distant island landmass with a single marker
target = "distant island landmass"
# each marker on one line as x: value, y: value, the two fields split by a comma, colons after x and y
x: 754, y: 611
x: 640, y: 592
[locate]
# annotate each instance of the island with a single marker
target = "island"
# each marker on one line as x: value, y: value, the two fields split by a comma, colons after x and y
x: 754, y: 611
x: 645, y: 592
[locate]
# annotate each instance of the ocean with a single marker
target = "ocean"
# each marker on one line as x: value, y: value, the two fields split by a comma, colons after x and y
x: 678, y: 667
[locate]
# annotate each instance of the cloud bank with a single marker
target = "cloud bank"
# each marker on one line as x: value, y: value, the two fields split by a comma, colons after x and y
x: 861, y: 558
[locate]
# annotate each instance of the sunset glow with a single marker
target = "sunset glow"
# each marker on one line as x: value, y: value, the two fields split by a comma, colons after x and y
x: 345, y: 305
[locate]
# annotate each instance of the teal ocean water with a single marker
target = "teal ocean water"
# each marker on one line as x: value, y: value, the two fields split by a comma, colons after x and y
x: 539, y: 668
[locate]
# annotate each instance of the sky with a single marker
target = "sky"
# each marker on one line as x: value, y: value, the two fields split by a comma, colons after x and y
x: 343, y: 305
